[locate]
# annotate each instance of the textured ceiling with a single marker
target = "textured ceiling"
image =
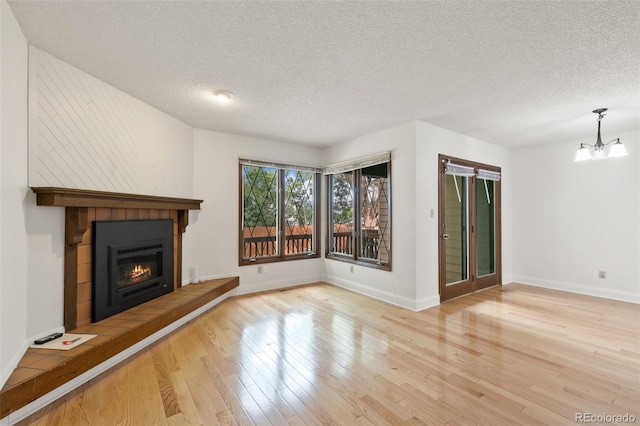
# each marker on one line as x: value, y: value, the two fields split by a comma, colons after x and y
x: 512, y: 73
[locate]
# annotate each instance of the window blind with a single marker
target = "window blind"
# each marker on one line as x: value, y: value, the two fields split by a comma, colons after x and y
x: 458, y: 170
x: 359, y: 163
x: 283, y: 166
x: 488, y: 175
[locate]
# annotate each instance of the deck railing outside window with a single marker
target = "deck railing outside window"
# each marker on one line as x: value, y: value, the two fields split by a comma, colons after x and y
x: 267, y: 245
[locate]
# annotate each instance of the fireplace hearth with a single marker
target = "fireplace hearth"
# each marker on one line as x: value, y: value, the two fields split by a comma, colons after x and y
x: 132, y: 263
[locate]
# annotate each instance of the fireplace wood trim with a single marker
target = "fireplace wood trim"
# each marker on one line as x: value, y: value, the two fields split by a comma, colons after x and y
x: 77, y: 202
x: 67, y: 197
x: 76, y: 223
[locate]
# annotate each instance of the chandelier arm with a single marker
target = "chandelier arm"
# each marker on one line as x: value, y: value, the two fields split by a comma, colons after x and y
x: 612, y: 140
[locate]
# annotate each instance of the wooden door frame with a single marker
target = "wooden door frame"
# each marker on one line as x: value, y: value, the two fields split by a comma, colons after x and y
x: 474, y: 283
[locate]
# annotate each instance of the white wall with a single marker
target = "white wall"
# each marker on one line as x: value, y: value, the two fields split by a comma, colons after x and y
x: 13, y: 188
x: 86, y: 134
x: 572, y: 220
x: 45, y: 266
x: 214, y: 230
x: 430, y: 142
x: 397, y: 286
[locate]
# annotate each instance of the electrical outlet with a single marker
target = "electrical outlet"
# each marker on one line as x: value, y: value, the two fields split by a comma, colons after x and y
x: 262, y: 269
x: 602, y: 275
x: 351, y: 268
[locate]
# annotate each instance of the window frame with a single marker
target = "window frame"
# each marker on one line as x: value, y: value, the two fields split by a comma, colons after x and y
x: 281, y: 221
x: 355, y: 258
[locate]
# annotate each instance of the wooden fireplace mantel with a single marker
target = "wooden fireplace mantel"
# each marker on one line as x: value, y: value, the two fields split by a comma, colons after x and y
x: 77, y: 203
x: 66, y: 197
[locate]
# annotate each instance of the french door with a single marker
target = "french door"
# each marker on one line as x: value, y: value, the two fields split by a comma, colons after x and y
x: 469, y: 226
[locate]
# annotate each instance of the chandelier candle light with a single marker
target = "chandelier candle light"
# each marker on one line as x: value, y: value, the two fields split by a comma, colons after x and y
x: 617, y: 149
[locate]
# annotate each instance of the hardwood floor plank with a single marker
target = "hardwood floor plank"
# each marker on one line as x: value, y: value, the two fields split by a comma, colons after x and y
x: 205, y: 396
x: 186, y: 401
x: 225, y: 418
x: 382, y: 410
x: 234, y: 406
x: 247, y: 401
x: 163, y: 365
x: 265, y: 404
x: 319, y: 354
x: 268, y: 384
x: 308, y: 413
x: 419, y: 403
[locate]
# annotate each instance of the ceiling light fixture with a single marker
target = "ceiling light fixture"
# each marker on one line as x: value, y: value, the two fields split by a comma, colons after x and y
x: 222, y: 96
x: 617, y: 149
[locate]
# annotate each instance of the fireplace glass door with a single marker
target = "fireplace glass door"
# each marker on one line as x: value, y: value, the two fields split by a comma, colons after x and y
x: 140, y: 267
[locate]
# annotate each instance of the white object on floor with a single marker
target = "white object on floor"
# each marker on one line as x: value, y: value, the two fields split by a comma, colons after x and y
x: 66, y: 342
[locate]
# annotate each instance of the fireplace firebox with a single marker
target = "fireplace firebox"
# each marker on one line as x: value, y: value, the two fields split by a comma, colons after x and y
x: 132, y: 264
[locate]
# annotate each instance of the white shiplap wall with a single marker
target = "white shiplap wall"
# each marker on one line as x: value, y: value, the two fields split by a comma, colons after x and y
x: 86, y: 134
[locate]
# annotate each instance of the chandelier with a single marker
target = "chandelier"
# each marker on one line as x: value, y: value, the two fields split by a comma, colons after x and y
x: 616, y: 150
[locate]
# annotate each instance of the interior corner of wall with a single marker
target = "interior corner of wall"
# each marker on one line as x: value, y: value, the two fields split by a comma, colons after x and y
x: 12, y: 364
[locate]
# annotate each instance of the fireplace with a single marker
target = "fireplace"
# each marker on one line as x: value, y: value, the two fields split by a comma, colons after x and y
x: 132, y: 263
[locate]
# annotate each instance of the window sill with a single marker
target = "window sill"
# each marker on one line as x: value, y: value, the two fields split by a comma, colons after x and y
x: 365, y: 263
x: 263, y: 260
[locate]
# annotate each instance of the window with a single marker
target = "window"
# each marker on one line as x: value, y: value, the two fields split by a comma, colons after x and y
x: 359, y: 225
x: 279, y: 212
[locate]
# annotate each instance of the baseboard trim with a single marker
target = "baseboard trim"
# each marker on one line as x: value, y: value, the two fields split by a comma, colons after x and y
x: 276, y: 284
x: 385, y: 296
x: 203, y: 278
x: 427, y: 302
x: 621, y: 296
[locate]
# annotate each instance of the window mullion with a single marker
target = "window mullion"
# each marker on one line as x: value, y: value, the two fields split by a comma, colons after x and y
x: 315, y: 243
x: 281, y: 210
x: 357, y: 231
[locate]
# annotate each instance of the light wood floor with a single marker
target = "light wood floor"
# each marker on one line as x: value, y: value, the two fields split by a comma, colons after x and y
x: 322, y: 355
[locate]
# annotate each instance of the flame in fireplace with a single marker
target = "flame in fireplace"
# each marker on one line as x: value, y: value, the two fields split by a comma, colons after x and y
x: 138, y: 273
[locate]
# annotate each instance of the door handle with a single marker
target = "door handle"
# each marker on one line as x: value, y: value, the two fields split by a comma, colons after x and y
x: 445, y: 236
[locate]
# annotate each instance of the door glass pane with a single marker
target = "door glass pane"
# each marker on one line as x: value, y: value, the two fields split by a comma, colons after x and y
x: 298, y: 210
x: 456, y: 224
x: 341, y: 241
x: 374, y: 213
x: 485, y: 227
